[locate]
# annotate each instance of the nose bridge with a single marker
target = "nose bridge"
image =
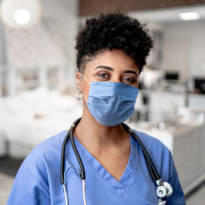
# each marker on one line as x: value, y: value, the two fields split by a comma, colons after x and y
x: 116, y: 77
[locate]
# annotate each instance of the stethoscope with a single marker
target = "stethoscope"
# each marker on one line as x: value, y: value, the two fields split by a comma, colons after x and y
x: 163, y: 189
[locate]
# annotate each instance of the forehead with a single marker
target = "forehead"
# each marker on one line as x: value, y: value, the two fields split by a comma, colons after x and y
x: 114, y: 58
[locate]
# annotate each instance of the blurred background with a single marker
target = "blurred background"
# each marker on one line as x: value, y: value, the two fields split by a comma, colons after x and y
x: 37, y: 86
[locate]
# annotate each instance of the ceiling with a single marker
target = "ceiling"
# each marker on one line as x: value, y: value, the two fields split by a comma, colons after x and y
x: 157, y: 17
x: 168, y: 15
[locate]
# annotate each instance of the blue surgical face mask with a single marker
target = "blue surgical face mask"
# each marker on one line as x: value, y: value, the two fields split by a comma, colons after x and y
x: 111, y: 103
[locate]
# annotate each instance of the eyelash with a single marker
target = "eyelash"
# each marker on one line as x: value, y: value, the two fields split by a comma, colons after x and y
x: 132, y: 79
x: 101, y: 76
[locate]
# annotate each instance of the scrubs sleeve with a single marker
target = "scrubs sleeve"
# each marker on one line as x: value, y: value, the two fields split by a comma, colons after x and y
x: 177, y: 197
x: 30, y: 185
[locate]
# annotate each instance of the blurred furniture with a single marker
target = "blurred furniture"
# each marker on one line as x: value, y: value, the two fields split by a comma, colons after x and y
x: 33, y: 116
x: 189, y: 154
x: 171, y: 76
x: 199, y: 85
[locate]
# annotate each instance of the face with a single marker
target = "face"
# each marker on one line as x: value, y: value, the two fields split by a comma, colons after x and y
x: 111, y: 66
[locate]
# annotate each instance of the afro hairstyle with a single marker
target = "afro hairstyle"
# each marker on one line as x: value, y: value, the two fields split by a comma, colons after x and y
x: 113, y: 31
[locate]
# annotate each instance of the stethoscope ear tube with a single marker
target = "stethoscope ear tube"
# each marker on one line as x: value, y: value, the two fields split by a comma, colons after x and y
x: 82, y: 169
x: 62, y: 163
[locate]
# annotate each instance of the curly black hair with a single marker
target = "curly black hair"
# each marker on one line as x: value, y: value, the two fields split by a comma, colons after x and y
x: 113, y: 31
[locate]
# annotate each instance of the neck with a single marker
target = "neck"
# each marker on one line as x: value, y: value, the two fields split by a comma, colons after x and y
x: 92, y: 134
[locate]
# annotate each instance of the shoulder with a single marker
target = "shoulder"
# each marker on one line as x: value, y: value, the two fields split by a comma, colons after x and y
x: 37, y: 173
x: 46, y: 154
x: 152, y: 143
x: 47, y: 150
x: 159, y: 153
x: 164, y: 163
x: 50, y: 145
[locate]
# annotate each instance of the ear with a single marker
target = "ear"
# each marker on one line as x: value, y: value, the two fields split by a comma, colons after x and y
x: 78, y: 78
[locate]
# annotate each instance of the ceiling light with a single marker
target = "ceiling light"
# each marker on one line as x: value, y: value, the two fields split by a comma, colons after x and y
x: 189, y: 16
x: 20, y: 14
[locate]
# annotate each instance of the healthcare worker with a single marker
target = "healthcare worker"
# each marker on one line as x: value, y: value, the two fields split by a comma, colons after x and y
x: 111, y: 53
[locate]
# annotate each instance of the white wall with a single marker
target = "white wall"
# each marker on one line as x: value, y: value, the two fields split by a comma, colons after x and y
x: 183, y: 48
x: 51, y: 43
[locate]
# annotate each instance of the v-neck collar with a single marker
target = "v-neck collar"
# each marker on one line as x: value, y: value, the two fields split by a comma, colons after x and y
x: 129, y: 175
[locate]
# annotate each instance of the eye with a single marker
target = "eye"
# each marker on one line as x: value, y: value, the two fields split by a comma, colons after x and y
x: 103, y: 75
x: 129, y: 80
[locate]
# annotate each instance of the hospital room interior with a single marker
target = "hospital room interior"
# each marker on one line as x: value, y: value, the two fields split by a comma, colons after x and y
x: 37, y: 80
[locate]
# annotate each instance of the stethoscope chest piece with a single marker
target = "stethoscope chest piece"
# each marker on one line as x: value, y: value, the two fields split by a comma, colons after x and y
x: 164, y: 189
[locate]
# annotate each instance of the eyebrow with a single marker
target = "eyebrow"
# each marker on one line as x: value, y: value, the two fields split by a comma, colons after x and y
x: 131, y: 71
x: 105, y: 67
x: 112, y: 69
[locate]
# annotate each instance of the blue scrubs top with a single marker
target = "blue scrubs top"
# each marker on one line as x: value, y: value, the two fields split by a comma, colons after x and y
x: 38, y: 179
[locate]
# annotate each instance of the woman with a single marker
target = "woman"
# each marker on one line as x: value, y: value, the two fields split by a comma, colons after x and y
x: 111, y: 52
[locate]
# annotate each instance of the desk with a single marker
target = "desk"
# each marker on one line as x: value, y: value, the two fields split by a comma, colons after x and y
x: 189, y: 153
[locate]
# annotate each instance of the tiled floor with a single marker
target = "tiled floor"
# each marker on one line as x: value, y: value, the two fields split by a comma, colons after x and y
x: 8, y: 168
